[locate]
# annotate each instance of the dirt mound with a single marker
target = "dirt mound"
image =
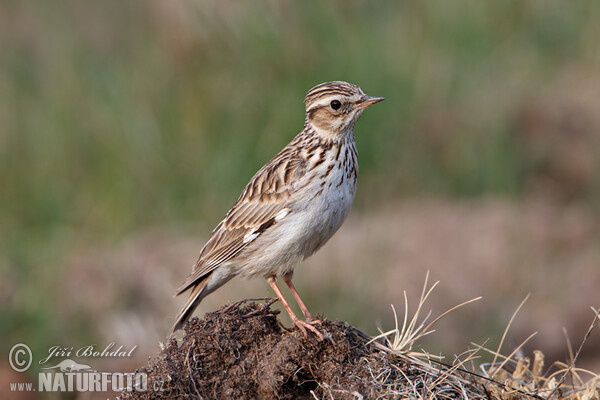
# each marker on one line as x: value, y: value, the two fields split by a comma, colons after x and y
x: 243, y: 352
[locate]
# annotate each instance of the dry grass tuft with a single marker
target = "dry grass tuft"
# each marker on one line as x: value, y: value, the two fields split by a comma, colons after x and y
x: 513, y: 377
x: 404, y: 339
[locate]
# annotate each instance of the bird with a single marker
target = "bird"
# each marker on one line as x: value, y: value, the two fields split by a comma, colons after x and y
x: 290, y: 208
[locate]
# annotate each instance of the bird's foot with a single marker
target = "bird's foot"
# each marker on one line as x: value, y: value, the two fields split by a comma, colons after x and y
x: 304, y: 325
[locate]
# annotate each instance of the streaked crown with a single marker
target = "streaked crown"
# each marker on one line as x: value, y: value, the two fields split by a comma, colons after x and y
x: 332, y: 108
x: 331, y: 89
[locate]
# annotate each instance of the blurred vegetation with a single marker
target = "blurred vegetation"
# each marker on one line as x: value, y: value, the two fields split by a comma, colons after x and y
x: 120, y: 115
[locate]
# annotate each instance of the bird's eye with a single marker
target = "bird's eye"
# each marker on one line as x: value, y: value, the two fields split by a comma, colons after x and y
x: 335, y: 104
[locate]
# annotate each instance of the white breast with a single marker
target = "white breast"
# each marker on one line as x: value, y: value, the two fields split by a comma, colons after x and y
x: 326, y: 205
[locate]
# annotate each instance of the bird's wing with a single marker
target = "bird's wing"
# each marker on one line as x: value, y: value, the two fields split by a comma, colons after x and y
x: 264, y: 201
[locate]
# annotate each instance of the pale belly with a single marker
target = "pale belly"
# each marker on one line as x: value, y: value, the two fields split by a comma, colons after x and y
x: 302, y: 232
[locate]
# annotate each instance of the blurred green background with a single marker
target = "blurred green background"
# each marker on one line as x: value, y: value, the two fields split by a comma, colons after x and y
x: 119, y: 118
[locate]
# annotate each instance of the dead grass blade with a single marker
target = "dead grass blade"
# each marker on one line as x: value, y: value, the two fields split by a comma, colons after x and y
x: 512, y: 318
x: 404, y: 338
x: 574, y: 359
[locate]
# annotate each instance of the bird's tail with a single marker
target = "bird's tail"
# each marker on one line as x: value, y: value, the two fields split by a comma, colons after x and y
x: 196, y: 295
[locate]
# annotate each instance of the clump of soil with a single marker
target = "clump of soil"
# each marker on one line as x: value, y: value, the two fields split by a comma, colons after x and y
x: 243, y: 352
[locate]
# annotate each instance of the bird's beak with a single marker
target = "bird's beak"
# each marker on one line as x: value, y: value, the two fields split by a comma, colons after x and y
x: 368, y: 101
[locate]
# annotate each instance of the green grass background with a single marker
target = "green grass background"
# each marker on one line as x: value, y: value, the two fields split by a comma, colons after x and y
x: 116, y: 116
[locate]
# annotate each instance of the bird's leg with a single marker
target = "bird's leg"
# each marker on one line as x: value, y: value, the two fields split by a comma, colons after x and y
x: 277, y: 291
x: 307, y: 315
x: 303, y: 325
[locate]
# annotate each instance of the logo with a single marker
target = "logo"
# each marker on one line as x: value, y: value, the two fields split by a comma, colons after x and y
x: 20, y: 357
x: 69, y: 375
x: 71, y: 366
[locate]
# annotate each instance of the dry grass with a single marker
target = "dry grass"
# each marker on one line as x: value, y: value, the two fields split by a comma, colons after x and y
x: 404, y: 339
x: 514, y: 377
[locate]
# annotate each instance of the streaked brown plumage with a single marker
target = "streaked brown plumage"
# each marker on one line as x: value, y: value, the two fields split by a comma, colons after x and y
x: 292, y: 205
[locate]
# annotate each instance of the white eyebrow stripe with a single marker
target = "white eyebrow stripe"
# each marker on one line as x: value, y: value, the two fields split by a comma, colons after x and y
x: 328, y: 99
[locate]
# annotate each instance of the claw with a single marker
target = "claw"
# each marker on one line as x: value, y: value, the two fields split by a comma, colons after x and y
x: 304, y: 325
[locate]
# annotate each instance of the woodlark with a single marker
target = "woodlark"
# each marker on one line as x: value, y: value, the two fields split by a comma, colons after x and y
x: 291, y: 207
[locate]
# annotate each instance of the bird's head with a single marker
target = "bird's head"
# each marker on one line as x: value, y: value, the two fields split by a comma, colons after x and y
x: 332, y: 108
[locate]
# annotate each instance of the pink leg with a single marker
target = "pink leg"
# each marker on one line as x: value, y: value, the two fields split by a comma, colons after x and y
x: 303, y: 325
x: 307, y: 315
